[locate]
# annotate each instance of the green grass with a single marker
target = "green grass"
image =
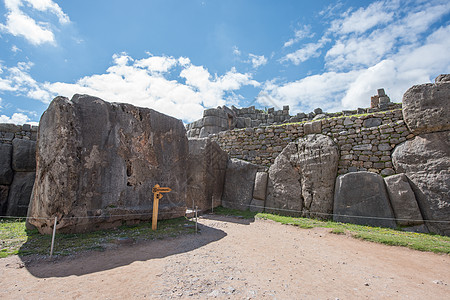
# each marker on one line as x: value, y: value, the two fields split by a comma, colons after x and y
x: 416, y: 241
x: 15, y: 239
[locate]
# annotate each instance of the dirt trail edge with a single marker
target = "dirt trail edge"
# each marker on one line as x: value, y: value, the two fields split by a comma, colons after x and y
x: 235, y: 259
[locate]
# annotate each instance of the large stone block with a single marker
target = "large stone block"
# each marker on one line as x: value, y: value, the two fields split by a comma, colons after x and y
x: 301, y: 180
x: 426, y: 107
x: 20, y: 193
x: 239, y: 182
x: 259, y: 191
x: 313, y: 127
x: 24, y: 155
x: 4, y: 189
x: 426, y: 161
x: 207, y: 164
x: 98, y: 161
x: 6, y: 172
x: 361, y: 198
x: 207, y: 130
x: 403, y: 201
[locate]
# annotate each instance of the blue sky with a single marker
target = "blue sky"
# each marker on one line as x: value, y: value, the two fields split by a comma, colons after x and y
x: 180, y: 57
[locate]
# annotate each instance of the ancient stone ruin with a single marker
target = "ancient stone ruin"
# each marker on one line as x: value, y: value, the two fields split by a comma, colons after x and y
x: 383, y: 166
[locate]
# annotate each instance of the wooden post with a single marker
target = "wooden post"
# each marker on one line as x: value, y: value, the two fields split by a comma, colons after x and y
x: 155, y: 210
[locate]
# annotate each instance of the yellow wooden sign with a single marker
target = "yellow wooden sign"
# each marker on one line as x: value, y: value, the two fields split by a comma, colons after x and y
x: 157, y: 190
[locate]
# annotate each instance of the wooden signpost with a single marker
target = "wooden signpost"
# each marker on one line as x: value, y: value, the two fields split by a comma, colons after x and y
x: 157, y: 190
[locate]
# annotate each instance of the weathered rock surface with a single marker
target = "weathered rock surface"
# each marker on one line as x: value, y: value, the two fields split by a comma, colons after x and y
x: 361, y: 198
x: 20, y: 193
x: 24, y: 155
x: 302, y: 177
x: 259, y: 191
x: 426, y: 107
x: 6, y: 172
x: 98, y: 161
x: 426, y: 161
x: 4, y: 189
x: 403, y: 201
x: 207, y: 164
x: 239, y: 182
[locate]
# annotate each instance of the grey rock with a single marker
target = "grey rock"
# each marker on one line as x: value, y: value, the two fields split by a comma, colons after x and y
x: 284, y: 191
x: 100, y: 160
x: 361, y: 198
x: 6, y: 172
x: 403, y: 201
x: 7, y: 127
x: 259, y: 191
x: 418, y: 228
x: 257, y: 205
x: 320, y: 117
x: 20, y: 193
x: 381, y: 93
x: 26, y: 127
x: 207, y: 130
x: 4, y: 189
x: 318, y: 111
x: 207, y: 164
x: 442, y: 78
x: 313, y: 127
x: 239, y: 182
x: 372, y: 122
x: 426, y: 107
x: 302, y: 177
x: 24, y: 155
x: 426, y: 162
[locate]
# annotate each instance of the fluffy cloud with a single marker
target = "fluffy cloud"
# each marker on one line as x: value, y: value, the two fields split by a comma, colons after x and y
x: 308, y: 51
x: 257, y: 60
x: 143, y: 82
x: 17, y: 118
x: 304, y: 32
x: 19, y: 23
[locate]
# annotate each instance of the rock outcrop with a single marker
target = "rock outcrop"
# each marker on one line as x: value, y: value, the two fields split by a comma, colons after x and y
x: 426, y: 107
x: 6, y: 172
x: 361, y: 198
x: 239, y: 182
x: 98, y: 161
x: 425, y: 160
x: 207, y: 164
x: 20, y: 193
x: 24, y: 155
x: 302, y: 177
x: 403, y: 201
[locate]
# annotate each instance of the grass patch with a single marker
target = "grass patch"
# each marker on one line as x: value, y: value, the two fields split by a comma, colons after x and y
x: 16, y: 239
x: 417, y: 241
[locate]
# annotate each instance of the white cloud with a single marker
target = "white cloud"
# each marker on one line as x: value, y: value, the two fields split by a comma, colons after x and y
x: 257, y: 60
x: 310, y: 50
x: 143, y: 83
x: 20, y: 24
x: 17, y: 118
x: 15, y: 49
x: 236, y: 51
x: 304, y: 32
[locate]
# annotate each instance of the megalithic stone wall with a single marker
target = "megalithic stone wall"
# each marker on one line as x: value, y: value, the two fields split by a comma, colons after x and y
x: 98, y: 161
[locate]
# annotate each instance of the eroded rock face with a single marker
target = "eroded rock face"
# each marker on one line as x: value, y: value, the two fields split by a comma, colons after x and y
x: 6, y: 172
x: 20, y: 193
x: 426, y: 107
x: 302, y: 177
x: 24, y: 155
x: 361, y: 198
x: 97, y: 163
x: 403, y: 201
x: 259, y: 191
x: 206, y: 173
x: 4, y: 189
x: 426, y: 161
x: 239, y: 182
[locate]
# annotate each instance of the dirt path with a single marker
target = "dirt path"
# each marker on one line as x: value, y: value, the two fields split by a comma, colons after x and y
x: 235, y: 259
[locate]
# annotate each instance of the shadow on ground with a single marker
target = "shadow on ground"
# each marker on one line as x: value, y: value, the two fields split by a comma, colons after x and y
x: 122, y: 255
x: 233, y: 219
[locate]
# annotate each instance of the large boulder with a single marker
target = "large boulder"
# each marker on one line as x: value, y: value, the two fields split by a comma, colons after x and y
x: 361, y: 198
x: 403, y: 201
x: 426, y: 107
x: 6, y: 172
x: 24, y: 155
x: 426, y: 161
x: 259, y: 191
x: 98, y: 161
x: 239, y: 182
x: 301, y: 180
x: 207, y: 164
x: 4, y: 189
x: 20, y: 193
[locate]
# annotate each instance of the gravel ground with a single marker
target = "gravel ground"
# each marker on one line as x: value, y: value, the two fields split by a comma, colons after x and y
x: 234, y: 258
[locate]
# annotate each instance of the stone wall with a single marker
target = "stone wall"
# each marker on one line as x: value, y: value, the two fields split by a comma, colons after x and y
x: 17, y: 167
x: 365, y: 141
